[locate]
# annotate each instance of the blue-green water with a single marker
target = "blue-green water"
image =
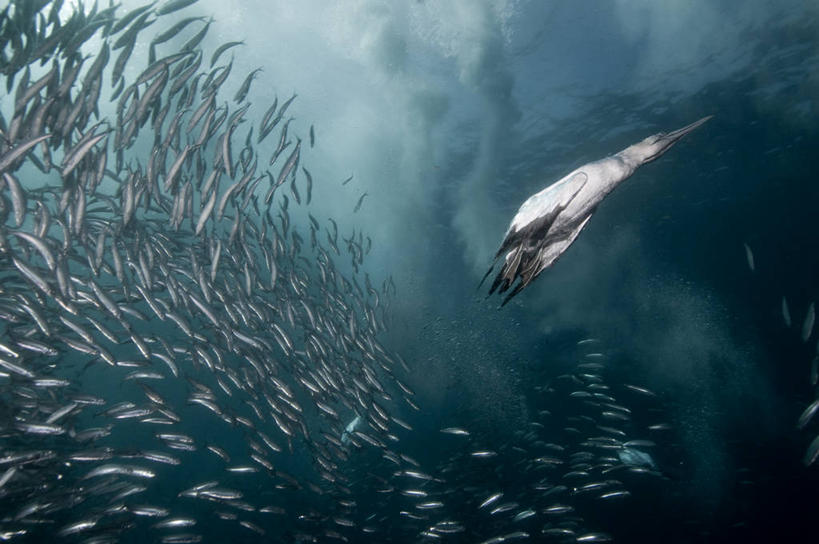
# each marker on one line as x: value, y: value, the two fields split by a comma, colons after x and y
x: 447, y: 115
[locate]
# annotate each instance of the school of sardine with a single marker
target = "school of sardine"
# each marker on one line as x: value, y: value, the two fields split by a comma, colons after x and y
x: 805, y: 334
x: 187, y: 354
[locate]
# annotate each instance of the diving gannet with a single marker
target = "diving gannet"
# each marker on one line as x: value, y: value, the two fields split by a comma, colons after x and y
x: 549, y: 221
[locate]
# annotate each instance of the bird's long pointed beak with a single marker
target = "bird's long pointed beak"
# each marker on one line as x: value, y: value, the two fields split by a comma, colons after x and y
x: 677, y: 134
x: 664, y: 142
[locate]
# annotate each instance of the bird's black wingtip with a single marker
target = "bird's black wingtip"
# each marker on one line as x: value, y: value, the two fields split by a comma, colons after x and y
x: 483, y: 279
x: 517, y: 289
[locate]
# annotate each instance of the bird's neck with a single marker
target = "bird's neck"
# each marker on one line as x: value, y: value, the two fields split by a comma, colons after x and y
x: 631, y: 157
x: 614, y: 170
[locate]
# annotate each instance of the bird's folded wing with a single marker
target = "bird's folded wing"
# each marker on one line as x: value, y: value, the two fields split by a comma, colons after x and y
x: 550, y: 201
x: 535, y: 217
x: 529, y: 266
x: 550, y: 252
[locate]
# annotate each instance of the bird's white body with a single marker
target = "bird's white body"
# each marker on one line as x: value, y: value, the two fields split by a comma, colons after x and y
x: 595, y: 181
x: 549, y: 221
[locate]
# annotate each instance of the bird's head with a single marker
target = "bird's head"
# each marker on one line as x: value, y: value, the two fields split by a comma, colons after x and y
x: 657, y: 144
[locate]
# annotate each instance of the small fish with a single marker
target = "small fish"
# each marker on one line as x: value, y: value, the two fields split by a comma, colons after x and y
x: 786, y: 314
x: 641, y: 390
x: 593, y: 537
x: 174, y: 30
x: 244, y: 88
x: 524, y: 514
x: 614, y: 495
x: 807, y: 324
x: 174, y: 5
x: 221, y: 49
x: 174, y: 523
x: 483, y: 454
x: 808, y: 414
x: 749, y: 256
x: 360, y: 201
x: 812, y: 452
x: 309, y: 190
x: 19, y: 151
